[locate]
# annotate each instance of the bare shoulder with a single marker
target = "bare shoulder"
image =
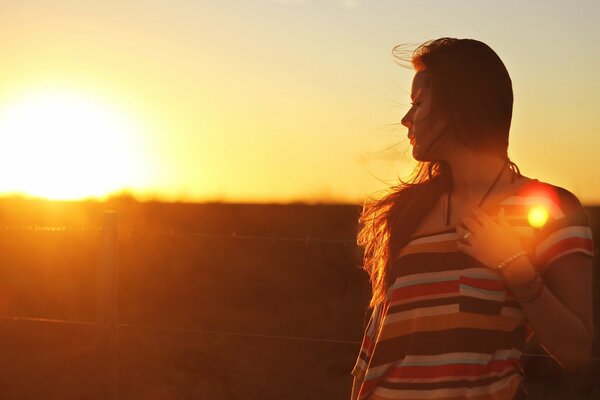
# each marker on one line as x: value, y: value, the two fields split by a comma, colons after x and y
x: 521, y: 180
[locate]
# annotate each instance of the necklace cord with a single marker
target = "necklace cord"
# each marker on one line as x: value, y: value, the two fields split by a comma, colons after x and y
x: 482, y: 200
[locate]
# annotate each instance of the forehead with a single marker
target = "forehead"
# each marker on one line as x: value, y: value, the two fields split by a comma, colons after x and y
x: 420, y: 82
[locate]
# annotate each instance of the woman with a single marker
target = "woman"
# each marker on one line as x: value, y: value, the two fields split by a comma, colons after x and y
x: 470, y: 258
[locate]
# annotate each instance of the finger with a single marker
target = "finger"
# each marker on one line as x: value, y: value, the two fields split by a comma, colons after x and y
x: 481, y: 215
x: 471, y: 224
x: 502, y: 218
x: 464, y: 236
x: 464, y: 247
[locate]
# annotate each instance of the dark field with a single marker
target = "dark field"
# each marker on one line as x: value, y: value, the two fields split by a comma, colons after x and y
x: 203, y: 317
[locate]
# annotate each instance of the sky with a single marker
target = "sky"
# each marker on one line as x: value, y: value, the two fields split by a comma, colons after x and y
x: 271, y: 100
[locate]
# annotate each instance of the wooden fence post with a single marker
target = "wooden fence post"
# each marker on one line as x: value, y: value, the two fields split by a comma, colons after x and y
x: 106, y: 308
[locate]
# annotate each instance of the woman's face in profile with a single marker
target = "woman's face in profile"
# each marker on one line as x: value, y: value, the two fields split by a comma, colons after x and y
x: 422, y: 129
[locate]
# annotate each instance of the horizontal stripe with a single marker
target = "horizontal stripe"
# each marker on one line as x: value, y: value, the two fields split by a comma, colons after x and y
x: 455, y: 379
x: 510, y: 310
x: 376, y: 371
x: 419, y: 313
x: 471, y: 375
x: 423, y: 301
x: 449, y: 340
x: 436, y: 246
x: 460, y: 357
x: 451, y: 321
x: 434, y: 238
x: 475, y: 291
x: 444, y: 376
x: 567, y: 246
x: 567, y: 233
x: 468, y: 304
x: 418, y: 263
x: 476, y: 305
x: 482, y: 273
x: 527, y: 202
x: 417, y: 291
x: 507, y: 385
x: 359, y: 368
x: 427, y: 277
x: 586, y: 252
x: 485, y: 283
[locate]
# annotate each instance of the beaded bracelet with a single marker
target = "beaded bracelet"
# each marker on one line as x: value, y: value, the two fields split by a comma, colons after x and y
x: 509, y: 259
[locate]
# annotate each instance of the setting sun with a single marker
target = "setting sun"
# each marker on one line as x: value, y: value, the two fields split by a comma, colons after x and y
x: 62, y: 144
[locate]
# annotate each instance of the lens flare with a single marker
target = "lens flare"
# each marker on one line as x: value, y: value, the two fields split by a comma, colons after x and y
x: 537, y: 216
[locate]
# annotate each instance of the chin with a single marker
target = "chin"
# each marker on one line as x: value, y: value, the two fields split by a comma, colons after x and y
x: 417, y: 155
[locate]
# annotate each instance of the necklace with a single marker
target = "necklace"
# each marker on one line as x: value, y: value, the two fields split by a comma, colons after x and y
x: 482, y: 200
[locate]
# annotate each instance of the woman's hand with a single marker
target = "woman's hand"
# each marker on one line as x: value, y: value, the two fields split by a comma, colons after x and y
x: 489, y: 242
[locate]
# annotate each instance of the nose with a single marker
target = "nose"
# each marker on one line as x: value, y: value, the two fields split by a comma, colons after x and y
x: 406, y: 121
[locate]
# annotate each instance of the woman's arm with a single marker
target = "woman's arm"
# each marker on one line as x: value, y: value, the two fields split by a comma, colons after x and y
x: 562, y: 315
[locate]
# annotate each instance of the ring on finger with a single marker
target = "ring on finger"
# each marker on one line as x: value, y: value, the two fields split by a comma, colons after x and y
x: 466, y: 235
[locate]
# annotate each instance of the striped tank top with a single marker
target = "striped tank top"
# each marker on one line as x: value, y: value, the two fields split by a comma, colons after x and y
x: 450, y: 328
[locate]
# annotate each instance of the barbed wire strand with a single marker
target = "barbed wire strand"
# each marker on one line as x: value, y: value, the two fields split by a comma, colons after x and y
x: 48, y: 228
x: 128, y: 233
x: 218, y: 332
x: 237, y: 333
x: 51, y: 320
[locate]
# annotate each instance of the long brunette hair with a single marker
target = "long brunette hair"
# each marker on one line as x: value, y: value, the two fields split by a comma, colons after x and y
x: 471, y: 86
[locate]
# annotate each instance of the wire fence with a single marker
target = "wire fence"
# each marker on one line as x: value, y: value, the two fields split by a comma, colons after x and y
x: 213, y: 331
x: 128, y: 233
x: 180, y: 330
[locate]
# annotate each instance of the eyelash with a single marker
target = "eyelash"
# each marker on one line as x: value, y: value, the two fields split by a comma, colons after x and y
x: 415, y: 103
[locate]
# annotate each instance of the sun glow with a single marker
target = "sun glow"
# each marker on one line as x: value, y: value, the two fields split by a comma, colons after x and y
x: 65, y: 145
x: 537, y: 216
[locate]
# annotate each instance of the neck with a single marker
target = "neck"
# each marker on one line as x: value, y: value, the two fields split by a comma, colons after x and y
x: 473, y: 173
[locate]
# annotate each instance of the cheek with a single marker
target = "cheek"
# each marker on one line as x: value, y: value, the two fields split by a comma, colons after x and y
x: 423, y: 111
x: 420, y: 120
